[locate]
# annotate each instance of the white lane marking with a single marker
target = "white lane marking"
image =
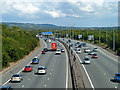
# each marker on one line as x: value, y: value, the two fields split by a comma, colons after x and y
x: 45, y: 85
x: 108, y: 56
x: 115, y: 87
x: 104, y: 73
x: 28, y: 78
x: 53, y: 65
x: 48, y: 78
x: 45, y: 46
x: 6, y: 82
x: 50, y: 73
x: 17, y: 73
x: 22, y: 85
x: 66, y: 67
x: 86, y: 72
x: 103, y: 52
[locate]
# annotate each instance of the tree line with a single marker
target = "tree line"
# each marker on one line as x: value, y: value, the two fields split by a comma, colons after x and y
x: 16, y: 43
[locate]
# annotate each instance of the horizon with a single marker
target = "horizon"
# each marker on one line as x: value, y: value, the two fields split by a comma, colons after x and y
x: 95, y: 13
x: 61, y: 25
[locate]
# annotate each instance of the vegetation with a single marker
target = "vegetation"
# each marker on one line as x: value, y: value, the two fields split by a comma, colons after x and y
x: 16, y: 43
x: 103, y: 33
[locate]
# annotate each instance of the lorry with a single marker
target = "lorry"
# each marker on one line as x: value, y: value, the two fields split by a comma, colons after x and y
x: 54, y: 46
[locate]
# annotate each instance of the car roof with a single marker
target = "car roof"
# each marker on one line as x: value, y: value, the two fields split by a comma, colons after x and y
x: 41, y: 67
x: 117, y: 73
x: 16, y: 74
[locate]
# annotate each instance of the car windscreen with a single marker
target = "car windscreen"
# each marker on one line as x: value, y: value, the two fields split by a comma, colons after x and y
x: 118, y: 75
x: 15, y: 76
x: 27, y: 66
x: 41, y: 68
x: 86, y: 58
x: 95, y: 54
x: 35, y: 59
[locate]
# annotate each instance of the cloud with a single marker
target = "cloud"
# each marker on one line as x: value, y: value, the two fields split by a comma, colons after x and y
x: 26, y: 8
x: 55, y: 14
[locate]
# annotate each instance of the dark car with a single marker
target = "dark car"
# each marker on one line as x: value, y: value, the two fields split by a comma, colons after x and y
x: 117, y: 77
x: 79, y: 46
x: 6, y: 88
x: 45, y: 49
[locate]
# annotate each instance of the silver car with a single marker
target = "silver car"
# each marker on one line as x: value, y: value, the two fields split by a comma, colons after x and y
x: 16, y: 78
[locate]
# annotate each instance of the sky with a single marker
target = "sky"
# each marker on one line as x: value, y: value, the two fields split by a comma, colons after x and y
x: 78, y: 13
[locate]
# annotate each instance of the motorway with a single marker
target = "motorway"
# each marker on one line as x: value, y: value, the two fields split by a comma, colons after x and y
x: 100, y: 70
x: 56, y: 76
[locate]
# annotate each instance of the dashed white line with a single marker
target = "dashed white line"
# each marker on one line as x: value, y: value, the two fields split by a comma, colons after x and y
x: 48, y: 78
x: 53, y: 65
x: 86, y: 72
x: 50, y: 73
x: 66, y: 67
x: 115, y: 86
x: 45, y: 85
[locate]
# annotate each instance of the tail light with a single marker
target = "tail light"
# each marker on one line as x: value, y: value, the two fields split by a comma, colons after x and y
x: 11, y: 78
x: 19, y: 78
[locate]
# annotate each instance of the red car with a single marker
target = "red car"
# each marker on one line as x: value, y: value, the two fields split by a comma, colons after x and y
x: 43, y: 52
x: 95, y: 56
x: 28, y: 68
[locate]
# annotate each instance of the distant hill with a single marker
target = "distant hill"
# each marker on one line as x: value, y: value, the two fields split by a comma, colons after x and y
x: 30, y: 26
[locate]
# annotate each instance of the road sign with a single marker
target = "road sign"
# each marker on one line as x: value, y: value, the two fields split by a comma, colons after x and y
x: 90, y: 37
x: 80, y: 36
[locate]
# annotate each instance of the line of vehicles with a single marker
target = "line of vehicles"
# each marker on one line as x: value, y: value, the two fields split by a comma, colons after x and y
x: 35, y: 60
x: 78, y: 47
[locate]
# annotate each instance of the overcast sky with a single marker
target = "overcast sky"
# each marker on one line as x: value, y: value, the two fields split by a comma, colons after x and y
x: 82, y: 13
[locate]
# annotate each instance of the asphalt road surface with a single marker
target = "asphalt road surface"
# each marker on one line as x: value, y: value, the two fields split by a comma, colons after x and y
x: 101, y: 69
x: 56, y: 76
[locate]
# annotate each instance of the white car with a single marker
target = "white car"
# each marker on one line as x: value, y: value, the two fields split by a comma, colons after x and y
x: 95, y: 49
x: 87, y: 60
x: 62, y: 50
x: 41, y: 70
x: 78, y: 50
x: 58, y: 51
x: 16, y: 78
x: 86, y: 50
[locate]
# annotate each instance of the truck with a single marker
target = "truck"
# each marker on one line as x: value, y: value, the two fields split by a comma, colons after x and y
x: 54, y: 46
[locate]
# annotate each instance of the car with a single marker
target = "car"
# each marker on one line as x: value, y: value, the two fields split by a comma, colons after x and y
x: 91, y: 53
x: 78, y: 42
x: 95, y: 56
x: 62, y: 50
x: 69, y: 40
x: 78, y: 50
x: 75, y: 44
x: 41, y: 70
x: 84, y: 44
x: 35, y: 60
x: 87, y: 50
x: 58, y: 51
x: 45, y: 49
x: 43, y: 52
x: 71, y: 45
x: 80, y: 46
x: 87, y: 60
x: 117, y: 77
x: 6, y: 88
x: 95, y: 49
x: 16, y: 78
x: 28, y: 68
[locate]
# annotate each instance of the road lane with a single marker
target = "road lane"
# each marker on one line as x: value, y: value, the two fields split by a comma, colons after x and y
x: 100, y: 70
x: 55, y: 77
